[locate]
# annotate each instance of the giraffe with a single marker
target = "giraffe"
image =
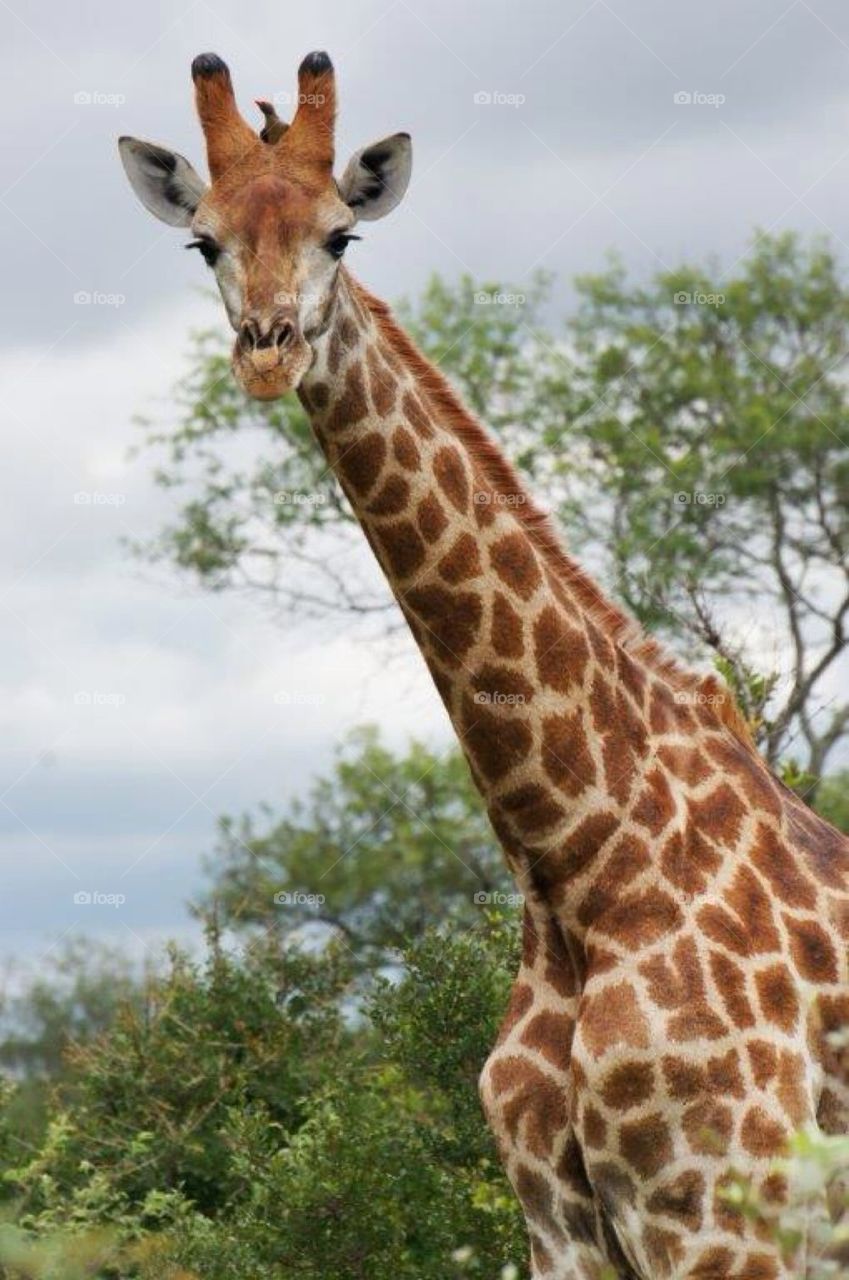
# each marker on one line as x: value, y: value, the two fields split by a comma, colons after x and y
x: 686, y: 916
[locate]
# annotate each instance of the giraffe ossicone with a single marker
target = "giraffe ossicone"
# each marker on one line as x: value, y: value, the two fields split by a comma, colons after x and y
x: 686, y: 916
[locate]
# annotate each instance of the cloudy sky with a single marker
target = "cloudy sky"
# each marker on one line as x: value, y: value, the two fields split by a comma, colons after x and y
x: 545, y: 133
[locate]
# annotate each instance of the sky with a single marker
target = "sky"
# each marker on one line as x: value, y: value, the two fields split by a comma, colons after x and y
x: 134, y: 709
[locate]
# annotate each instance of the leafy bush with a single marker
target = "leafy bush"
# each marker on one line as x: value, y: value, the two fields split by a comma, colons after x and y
x: 247, y: 1118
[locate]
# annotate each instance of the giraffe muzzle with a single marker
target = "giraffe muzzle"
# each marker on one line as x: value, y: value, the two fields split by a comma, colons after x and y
x: 270, y: 355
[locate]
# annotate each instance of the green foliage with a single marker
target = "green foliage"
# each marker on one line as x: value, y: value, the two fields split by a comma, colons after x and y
x: 393, y: 844
x: 72, y: 999
x: 227, y: 1132
x: 833, y: 799
x: 815, y: 1212
x: 150, y: 1096
x: 716, y: 417
x: 74, y: 996
x: 500, y: 354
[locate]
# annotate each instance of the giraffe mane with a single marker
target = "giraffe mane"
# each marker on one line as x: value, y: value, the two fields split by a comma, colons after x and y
x: 619, y: 625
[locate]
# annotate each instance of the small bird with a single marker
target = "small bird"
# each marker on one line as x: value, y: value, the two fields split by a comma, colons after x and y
x: 274, y: 127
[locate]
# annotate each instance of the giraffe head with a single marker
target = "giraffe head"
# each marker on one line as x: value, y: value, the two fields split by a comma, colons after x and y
x: 274, y: 222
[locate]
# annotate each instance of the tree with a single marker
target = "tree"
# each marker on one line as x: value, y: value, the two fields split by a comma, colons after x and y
x: 384, y: 847
x: 691, y: 433
x: 70, y: 1001
x: 716, y: 425
x: 243, y: 1123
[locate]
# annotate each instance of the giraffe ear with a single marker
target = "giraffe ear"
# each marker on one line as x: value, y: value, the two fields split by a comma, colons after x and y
x: 164, y: 181
x: 377, y: 177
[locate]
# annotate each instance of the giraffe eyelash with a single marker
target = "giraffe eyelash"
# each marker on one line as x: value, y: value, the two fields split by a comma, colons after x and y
x: 209, y: 250
x: 338, y: 243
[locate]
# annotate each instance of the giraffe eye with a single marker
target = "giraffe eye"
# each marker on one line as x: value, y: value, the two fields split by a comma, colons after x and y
x: 209, y: 250
x: 338, y: 243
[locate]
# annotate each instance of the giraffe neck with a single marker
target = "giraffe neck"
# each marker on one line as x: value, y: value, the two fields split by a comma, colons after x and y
x: 549, y: 691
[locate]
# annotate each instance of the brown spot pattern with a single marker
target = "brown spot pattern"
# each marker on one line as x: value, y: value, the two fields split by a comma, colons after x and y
x: 361, y: 462
x: 560, y: 650
x: 462, y: 561
x: 496, y: 743
x: 402, y: 546
x: 452, y: 620
x: 760, y: 1134
x: 646, y: 1144
x: 405, y: 449
x: 778, y: 996
x: 392, y: 498
x: 628, y: 1085
x: 611, y: 1017
x: 507, y: 638
x: 515, y: 562
x: 566, y: 756
x: 431, y: 518
x: 812, y: 950
x: 416, y: 416
x: 352, y: 405
x: 450, y: 472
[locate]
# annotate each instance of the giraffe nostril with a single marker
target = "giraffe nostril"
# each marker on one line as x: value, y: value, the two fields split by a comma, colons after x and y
x: 249, y: 334
x: 285, y: 334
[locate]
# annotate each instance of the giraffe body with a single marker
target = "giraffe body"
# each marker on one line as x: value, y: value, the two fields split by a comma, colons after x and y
x: 686, y: 918
x: 684, y: 909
